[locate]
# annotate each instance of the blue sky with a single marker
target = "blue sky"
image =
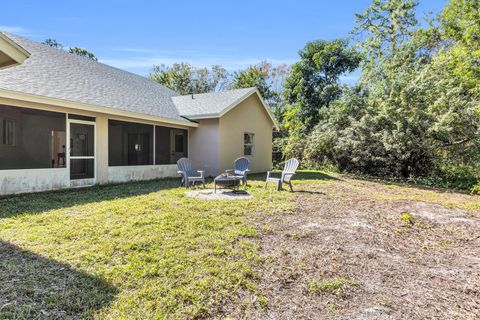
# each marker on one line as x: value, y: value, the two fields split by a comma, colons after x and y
x: 134, y: 35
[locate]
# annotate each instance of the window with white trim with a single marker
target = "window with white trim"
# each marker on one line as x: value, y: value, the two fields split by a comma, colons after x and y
x: 248, y: 143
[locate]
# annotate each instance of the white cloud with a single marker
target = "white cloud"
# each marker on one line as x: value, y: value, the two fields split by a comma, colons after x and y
x: 19, y: 30
x: 14, y: 29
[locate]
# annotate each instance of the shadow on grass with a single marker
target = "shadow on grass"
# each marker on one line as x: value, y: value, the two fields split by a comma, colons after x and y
x: 33, y: 203
x: 419, y: 185
x: 309, y: 192
x: 300, y: 175
x: 34, y: 287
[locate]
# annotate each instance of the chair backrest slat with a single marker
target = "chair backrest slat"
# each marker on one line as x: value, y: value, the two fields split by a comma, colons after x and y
x: 241, y: 165
x: 185, y: 165
x: 291, y: 166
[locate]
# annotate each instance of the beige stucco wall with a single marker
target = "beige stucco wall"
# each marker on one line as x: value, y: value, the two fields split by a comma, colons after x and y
x: 248, y: 117
x: 33, y: 180
x: 135, y: 173
x: 203, y: 147
x: 216, y: 143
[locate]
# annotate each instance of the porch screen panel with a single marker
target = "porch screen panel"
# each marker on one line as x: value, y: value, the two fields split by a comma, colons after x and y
x: 129, y: 144
x: 31, y: 139
x: 170, y: 145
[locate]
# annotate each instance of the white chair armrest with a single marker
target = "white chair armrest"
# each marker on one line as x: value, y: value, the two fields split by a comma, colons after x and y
x: 270, y: 172
x: 182, y: 173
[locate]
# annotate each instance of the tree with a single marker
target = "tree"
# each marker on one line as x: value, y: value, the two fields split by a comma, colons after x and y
x: 460, y: 22
x: 187, y: 79
x: 268, y: 79
x: 82, y: 53
x: 254, y: 76
x: 314, y: 81
x: 382, y: 31
x: 410, y: 116
x: 74, y: 50
x: 52, y: 43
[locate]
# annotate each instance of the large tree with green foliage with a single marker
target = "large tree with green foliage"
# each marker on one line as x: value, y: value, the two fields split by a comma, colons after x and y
x: 254, y: 76
x: 187, y: 79
x: 383, y: 30
x: 314, y: 80
x: 411, y: 115
x: 268, y: 79
x: 460, y: 24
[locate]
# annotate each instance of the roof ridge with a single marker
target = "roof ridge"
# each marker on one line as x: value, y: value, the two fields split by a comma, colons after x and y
x: 216, y: 92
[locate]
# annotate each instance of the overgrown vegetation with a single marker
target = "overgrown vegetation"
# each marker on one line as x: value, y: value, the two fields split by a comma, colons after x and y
x: 413, y: 114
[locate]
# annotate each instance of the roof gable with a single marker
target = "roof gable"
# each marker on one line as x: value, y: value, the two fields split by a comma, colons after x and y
x: 215, y: 104
x: 10, y: 53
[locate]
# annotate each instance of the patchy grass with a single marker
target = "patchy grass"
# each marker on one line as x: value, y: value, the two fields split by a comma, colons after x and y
x: 336, y: 286
x: 137, y: 250
x: 443, y: 197
x: 345, y: 253
x: 145, y: 250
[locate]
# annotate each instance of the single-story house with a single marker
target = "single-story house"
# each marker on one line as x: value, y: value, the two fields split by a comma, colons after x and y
x: 67, y: 121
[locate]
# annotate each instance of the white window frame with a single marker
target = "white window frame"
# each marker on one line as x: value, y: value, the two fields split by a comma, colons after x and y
x: 252, y: 144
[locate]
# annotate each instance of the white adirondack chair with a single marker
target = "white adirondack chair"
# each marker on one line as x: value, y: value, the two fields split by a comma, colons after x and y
x: 289, y: 170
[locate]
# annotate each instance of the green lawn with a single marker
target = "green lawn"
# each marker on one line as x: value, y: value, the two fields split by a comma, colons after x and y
x: 138, y: 250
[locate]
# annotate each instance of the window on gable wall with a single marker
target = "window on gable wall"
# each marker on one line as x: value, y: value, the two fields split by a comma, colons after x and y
x: 248, y: 139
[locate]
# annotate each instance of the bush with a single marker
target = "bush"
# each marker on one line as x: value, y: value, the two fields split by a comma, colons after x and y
x: 475, y: 189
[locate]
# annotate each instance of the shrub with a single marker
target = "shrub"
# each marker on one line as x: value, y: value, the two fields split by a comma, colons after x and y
x: 407, y: 219
x: 475, y: 189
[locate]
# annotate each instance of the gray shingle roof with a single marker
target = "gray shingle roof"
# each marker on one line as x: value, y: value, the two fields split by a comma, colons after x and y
x: 210, y: 104
x: 57, y: 74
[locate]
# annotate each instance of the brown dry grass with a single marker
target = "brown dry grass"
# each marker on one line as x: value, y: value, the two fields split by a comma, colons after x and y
x: 349, y: 235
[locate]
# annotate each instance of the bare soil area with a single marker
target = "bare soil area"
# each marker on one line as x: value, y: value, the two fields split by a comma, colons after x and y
x: 354, y: 249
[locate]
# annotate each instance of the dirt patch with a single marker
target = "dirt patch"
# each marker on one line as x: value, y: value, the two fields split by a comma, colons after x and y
x: 421, y: 268
x: 210, y: 194
x: 438, y: 213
